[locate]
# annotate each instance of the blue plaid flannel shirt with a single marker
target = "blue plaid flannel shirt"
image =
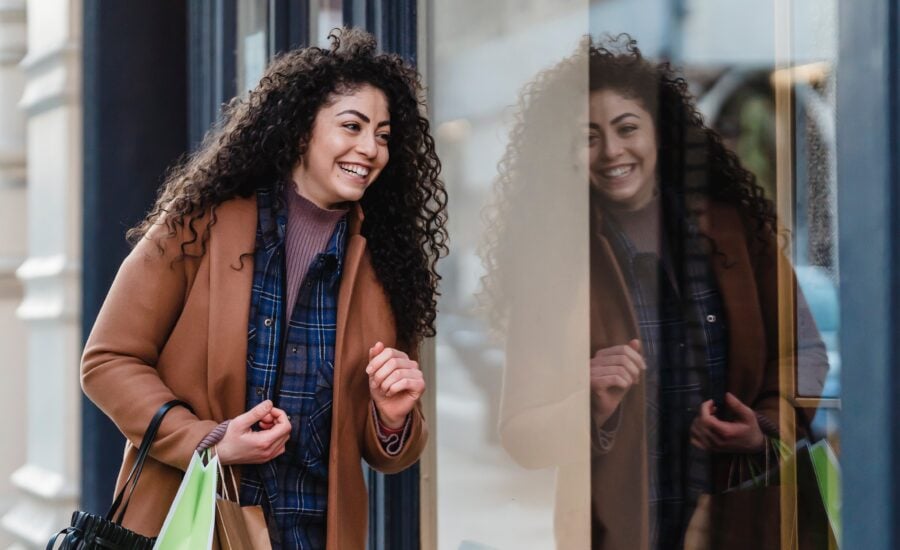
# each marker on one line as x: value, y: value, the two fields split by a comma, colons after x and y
x: 294, y: 487
x: 684, y: 342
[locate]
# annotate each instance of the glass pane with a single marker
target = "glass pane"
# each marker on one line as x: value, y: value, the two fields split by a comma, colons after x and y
x: 638, y: 337
x: 324, y: 15
x: 251, y: 42
x: 512, y: 399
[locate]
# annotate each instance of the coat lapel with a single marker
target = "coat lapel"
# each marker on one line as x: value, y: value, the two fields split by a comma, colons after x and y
x: 356, y: 246
x: 230, y: 286
x: 734, y: 274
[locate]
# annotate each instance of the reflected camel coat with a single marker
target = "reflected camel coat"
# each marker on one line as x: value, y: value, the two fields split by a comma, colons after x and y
x: 547, y: 397
x: 179, y: 329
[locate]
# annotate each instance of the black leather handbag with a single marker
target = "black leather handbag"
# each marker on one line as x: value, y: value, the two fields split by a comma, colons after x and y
x: 94, y: 532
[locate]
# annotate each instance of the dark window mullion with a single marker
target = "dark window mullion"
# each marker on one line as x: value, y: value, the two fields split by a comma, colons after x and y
x: 288, y: 25
x: 394, y: 499
x: 212, y: 28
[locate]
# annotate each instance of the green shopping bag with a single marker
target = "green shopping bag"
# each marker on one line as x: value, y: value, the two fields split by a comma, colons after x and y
x: 191, y: 519
x: 828, y: 477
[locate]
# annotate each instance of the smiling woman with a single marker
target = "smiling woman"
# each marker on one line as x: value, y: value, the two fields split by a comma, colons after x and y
x: 348, y: 149
x: 622, y: 146
x: 237, y: 296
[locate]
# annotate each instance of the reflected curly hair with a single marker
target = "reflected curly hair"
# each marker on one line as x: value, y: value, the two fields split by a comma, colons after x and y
x: 693, y: 162
x: 263, y: 135
x: 692, y: 158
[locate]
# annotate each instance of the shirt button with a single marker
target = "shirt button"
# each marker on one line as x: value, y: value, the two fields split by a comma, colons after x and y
x: 268, y: 322
x: 294, y: 349
x: 710, y: 318
x: 259, y: 391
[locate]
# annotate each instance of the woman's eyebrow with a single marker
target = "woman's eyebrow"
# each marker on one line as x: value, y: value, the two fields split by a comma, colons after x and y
x: 363, y: 117
x: 619, y: 118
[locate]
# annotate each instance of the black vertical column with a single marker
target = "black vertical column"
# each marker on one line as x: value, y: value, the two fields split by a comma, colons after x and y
x: 394, y: 499
x: 288, y: 25
x: 211, y: 26
x: 135, y: 126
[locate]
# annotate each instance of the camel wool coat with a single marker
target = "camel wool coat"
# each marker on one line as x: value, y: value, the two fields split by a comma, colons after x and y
x: 177, y: 328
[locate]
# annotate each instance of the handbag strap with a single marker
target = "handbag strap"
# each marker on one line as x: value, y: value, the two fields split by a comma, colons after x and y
x: 143, y: 453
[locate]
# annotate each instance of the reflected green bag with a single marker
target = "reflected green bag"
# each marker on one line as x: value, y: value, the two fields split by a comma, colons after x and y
x: 191, y: 519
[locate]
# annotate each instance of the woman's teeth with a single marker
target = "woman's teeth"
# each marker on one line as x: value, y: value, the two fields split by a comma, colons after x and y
x: 354, y: 169
x: 618, y: 171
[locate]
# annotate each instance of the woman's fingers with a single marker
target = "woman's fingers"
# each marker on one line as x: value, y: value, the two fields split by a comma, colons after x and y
x: 626, y: 350
x: 699, y: 438
x: 741, y: 411
x: 397, y: 375
x: 414, y: 386
x: 618, y: 361
x: 380, y: 359
x: 607, y: 381
x: 377, y: 377
x: 375, y: 350
x: 741, y: 435
x: 628, y: 375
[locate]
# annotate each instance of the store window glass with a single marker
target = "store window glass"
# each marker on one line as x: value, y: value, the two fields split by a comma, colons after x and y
x: 638, y: 337
x: 324, y: 15
x: 252, y: 53
x: 512, y: 401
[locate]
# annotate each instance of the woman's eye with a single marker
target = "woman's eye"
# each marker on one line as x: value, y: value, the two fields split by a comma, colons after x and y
x: 352, y: 126
x: 384, y: 137
x: 625, y: 130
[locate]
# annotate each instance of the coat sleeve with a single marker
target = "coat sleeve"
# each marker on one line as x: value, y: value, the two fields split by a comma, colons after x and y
x: 118, y: 368
x: 807, y: 352
x: 375, y: 455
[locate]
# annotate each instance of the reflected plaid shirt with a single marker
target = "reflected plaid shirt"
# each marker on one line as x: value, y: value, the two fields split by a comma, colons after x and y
x: 684, y: 341
x: 294, y: 486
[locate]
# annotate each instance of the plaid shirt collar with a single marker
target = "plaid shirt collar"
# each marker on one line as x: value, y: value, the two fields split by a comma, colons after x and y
x: 273, y: 222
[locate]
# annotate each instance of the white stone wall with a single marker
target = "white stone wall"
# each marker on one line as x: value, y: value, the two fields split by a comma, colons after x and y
x: 13, y: 248
x: 49, y: 210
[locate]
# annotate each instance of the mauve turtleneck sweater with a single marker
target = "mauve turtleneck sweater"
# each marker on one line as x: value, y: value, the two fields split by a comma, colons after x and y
x: 309, y: 229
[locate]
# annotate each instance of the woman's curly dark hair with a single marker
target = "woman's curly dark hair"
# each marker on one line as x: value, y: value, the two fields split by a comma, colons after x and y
x: 543, y: 150
x: 692, y: 158
x: 262, y: 136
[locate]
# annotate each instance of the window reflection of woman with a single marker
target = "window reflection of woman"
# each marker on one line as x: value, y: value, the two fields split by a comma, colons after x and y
x: 684, y: 288
x: 687, y: 368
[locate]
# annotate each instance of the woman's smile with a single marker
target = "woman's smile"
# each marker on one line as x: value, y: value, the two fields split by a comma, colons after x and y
x: 623, y: 154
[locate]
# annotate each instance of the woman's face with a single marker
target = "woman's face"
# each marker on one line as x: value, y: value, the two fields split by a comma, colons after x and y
x: 622, y: 144
x: 348, y: 148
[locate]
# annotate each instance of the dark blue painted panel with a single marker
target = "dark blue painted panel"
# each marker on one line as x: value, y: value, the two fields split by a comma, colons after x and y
x: 135, y: 113
x: 868, y: 190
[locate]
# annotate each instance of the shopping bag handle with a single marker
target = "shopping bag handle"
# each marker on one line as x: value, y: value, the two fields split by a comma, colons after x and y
x: 143, y: 453
x: 224, y: 485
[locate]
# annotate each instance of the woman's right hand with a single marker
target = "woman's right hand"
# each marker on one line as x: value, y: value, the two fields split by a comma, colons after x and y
x: 614, y: 370
x: 242, y: 445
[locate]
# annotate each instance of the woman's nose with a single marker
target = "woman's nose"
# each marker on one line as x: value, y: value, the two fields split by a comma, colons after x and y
x: 611, y: 148
x: 367, y: 146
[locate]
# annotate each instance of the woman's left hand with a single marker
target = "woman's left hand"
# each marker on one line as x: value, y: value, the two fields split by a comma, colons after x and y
x: 395, y: 382
x: 742, y: 435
